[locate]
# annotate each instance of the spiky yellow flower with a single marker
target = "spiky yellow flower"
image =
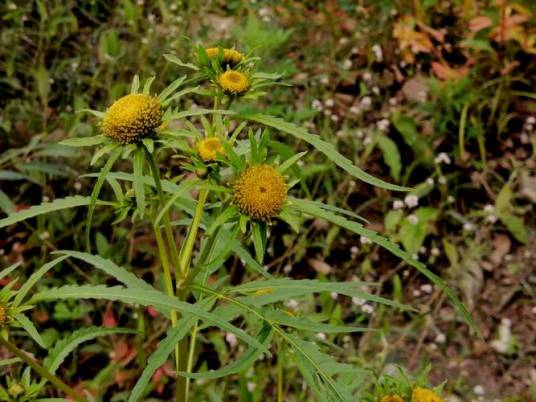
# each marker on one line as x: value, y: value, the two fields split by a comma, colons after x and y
x: 132, y: 118
x: 231, y: 57
x: 392, y: 398
x: 424, y: 395
x: 210, y: 148
x: 260, y: 192
x: 234, y: 82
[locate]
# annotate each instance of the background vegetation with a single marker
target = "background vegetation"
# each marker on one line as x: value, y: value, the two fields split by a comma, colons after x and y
x: 434, y: 95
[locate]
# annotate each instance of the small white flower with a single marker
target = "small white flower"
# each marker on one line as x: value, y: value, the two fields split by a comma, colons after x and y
x: 358, y: 301
x: 378, y: 53
x: 46, y: 198
x: 347, y: 64
x: 364, y: 240
x: 450, y: 199
x: 77, y: 186
x: 354, y: 110
x: 367, y: 76
x: 411, y: 200
x: 442, y: 180
x: 335, y: 118
x: 321, y: 336
x: 375, y: 90
x: 44, y: 235
x: 264, y: 11
x: 324, y: 80
x: 489, y: 209
x: 329, y: 102
x: 366, y: 101
x: 334, y: 295
x: 427, y: 288
x: 403, y: 64
x: 422, y: 250
x: 173, y: 6
x: 383, y: 124
x: 367, y: 308
x: 413, y: 219
x: 231, y: 339
x: 354, y: 250
x: 292, y: 304
x: 367, y: 141
x: 415, y: 257
x: 398, y: 204
x: 327, y: 112
x: 430, y: 181
x: 317, y: 105
x: 416, y: 292
x: 442, y: 158
x: 435, y: 252
x: 343, y: 41
x: 478, y: 390
x: 251, y: 386
x: 468, y: 226
x: 393, y: 101
x: 491, y: 218
x: 441, y: 338
x: 531, y: 120
x: 12, y: 6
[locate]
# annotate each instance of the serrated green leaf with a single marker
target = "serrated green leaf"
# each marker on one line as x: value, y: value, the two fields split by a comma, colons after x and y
x: 84, y: 141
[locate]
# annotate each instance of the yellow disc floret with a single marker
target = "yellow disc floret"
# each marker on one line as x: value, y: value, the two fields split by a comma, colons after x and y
x: 231, y: 57
x: 234, y: 82
x: 210, y: 148
x: 132, y: 118
x: 3, y: 315
x: 392, y: 398
x: 424, y: 395
x: 260, y: 192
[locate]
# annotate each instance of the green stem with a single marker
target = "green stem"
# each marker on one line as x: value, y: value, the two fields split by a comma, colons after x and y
x: 43, y: 372
x: 280, y: 374
x: 167, y: 225
x: 186, y: 251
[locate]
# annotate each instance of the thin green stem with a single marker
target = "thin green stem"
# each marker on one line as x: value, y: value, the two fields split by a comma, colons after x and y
x: 280, y: 374
x: 167, y: 225
x: 43, y: 372
x: 186, y: 251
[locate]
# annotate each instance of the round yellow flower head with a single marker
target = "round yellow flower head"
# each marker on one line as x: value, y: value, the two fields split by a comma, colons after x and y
x: 234, y: 82
x: 424, y: 395
x: 231, y: 57
x: 260, y: 192
x: 132, y: 118
x: 3, y: 315
x: 392, y: 398
x: 210, y: 148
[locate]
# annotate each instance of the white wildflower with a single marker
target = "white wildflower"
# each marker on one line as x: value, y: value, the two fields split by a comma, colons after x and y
x: 367, y: 308
x: 378, y: 53
x: 398, y: 204
x: 411, y: 200
x: 231, y: 339
x: 317, y: 105
x: 442, y: 158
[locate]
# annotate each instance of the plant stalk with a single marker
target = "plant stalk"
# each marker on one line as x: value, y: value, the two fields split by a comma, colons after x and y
x: 43, y: 372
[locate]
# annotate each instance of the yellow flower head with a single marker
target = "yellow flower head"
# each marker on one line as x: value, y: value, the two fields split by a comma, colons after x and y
x: 210, y: 148
x: 392, y: 398
x: 231, y: 57
x: 3, y: 315
x: 234, y: 82
x: 424, y: 395
x: 132, y: 118
x: 260, y: 192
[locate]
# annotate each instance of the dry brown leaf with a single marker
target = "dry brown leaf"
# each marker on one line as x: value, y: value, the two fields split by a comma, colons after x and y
x: 501, y: 246
x: 445, y: 72
x: 320, y: 266
x: 479, y: 23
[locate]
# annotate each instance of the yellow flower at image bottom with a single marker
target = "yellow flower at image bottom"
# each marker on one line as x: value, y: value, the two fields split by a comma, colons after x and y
x: 260, y: 192
x: 132, y: 118
x: 3, y: 315
x: 230, y: 56
x: 392, y: 398
x: 234, y: 82
x: 424, y: 395
x: 210, y: 148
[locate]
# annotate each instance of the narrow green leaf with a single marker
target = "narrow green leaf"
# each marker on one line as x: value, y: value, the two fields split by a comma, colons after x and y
x: 30, y: 329
x: 56, y: 205
x: 322, y: 146
x: 314, y: 210
x: 96, y: 191
x: 84, y: 141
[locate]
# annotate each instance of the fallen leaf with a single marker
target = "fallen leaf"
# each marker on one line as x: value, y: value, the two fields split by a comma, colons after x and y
x: 501, y: 246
